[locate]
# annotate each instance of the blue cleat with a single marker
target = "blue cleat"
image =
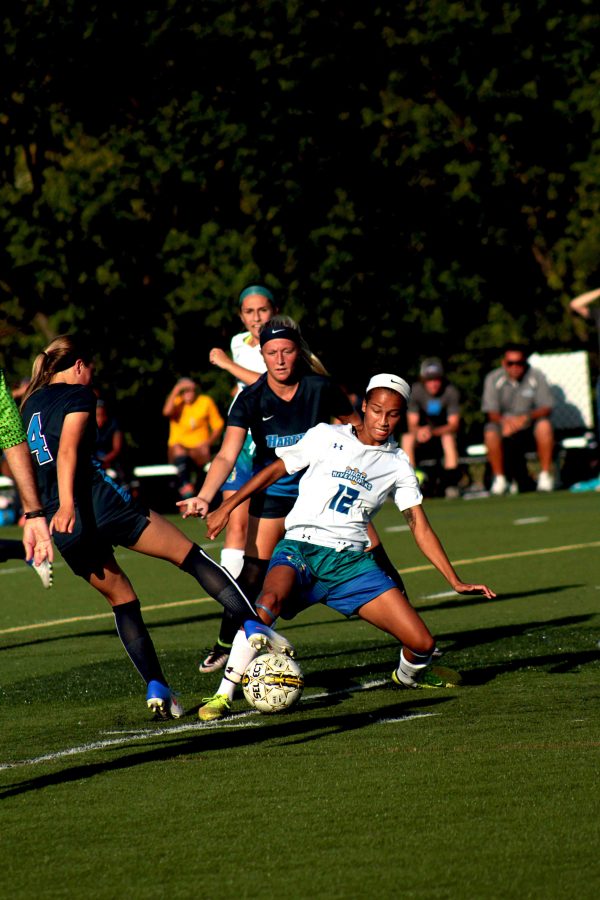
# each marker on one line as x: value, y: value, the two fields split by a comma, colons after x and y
x: 261, y: 637
x: 163, y: 701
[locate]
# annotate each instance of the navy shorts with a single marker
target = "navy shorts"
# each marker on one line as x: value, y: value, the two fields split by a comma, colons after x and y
x: 106, y: 518
x: 271, y: 506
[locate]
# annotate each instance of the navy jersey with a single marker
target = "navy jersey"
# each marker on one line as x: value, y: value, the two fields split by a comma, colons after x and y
x: 274, y: 422
x: 43, y: 417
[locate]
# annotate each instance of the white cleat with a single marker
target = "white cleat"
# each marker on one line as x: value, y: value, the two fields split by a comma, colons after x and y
x: 45, y: 572
x: 545, y: 482
x: 499, y: 486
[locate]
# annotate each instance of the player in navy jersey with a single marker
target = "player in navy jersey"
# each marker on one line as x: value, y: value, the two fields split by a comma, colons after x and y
x: 277, y: 409
x: 89, y: 514
x: 347, y: 474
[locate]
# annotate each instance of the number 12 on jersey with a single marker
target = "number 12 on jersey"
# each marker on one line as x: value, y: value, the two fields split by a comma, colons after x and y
x: 344, y: 498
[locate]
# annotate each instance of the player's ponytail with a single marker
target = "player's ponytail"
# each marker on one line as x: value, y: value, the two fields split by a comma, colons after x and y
x: 60, y: 354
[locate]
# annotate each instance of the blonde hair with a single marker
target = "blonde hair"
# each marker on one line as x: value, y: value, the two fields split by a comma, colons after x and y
x: 60, y: 354
x: 311, y: 362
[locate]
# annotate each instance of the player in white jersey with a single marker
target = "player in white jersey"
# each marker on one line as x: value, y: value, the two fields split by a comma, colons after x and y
x: 348, y: 474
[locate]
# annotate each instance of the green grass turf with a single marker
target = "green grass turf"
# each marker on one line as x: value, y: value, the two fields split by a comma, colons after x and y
x: 488, y: 790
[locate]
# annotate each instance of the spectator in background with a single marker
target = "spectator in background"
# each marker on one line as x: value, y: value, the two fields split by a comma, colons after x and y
x: 588, y: 306
x: 517, y: 401
x: 196, y: 425
x: 433, y: 420
x: 109, y: 440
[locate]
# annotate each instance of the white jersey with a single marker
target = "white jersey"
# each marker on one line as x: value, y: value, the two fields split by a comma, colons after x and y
x: 344, y: 485
x: 246, y: 356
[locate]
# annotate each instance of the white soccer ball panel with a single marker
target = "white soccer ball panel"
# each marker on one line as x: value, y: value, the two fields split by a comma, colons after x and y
x: 273, y: 683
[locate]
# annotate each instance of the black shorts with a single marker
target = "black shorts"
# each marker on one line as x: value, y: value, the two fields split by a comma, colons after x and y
x: 269, y: 506
x: 107, y: 518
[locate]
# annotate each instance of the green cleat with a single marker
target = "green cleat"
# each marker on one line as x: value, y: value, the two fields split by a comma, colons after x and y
x: 215, y: 707
x: 426, y: 679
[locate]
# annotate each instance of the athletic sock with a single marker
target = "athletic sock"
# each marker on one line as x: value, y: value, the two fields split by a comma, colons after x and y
x: 252, y: 576
x: 11, y: 550
x: 218, y: 583
x: 137, y: 641
x: 232, y: 559
x: 407, y: 672
x: 250, y: 581
x: 240, y: 657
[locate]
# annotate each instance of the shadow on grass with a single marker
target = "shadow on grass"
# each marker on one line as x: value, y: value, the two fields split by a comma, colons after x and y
x: 288, y: 730
x: 478, y: 599
x: 110, y: 630
x: 475, y: 638
x: 553, y: 664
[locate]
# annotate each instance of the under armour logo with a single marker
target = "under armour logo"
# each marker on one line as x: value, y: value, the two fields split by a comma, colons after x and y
x: 338, y: 446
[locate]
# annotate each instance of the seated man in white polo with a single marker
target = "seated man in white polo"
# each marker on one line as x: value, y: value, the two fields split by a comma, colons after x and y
x: 517, y: 401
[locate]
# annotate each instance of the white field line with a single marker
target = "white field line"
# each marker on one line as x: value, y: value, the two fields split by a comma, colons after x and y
x: 397, y: 528
x: 104, y: 615
x: 542, y: 551
x: 126, y: 737
x: 533, y: 520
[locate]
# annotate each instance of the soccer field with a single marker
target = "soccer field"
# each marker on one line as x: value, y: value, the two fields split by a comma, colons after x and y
x: 489, y: 790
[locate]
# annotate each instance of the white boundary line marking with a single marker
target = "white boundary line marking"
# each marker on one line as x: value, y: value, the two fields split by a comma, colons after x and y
x: 231, y: 722
x: 533, y: 520
x: 105, y: 615
x: 542, y: 551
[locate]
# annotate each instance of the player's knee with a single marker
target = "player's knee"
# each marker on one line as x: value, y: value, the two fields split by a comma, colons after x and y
x: 492, y: 433
x: 542, y: 429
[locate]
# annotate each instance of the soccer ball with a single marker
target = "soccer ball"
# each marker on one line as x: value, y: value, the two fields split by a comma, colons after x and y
x: 273, y: 683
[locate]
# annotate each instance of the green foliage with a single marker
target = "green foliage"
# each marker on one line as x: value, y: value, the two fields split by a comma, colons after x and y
x: 411, y: 179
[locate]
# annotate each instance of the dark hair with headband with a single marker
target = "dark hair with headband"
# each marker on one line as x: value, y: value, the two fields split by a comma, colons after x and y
x: 257, y: 289
x: 60, y: 354
x: 285, y: 328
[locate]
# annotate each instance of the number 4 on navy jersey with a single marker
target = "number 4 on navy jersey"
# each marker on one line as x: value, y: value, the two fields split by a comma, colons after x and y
x: 37, y: 440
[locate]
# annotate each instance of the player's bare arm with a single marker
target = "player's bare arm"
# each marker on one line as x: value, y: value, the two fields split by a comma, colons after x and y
x: 36, y: 537
x: 430, y: 545
x: 217, y: 520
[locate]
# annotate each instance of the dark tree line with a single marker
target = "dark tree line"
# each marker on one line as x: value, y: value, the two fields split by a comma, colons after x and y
x: 411, y: 179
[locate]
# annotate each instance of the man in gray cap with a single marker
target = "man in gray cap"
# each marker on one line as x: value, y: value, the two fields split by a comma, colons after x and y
x: 433, y: 420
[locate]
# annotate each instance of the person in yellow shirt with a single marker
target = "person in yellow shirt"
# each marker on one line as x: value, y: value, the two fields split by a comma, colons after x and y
x: 195, y: 426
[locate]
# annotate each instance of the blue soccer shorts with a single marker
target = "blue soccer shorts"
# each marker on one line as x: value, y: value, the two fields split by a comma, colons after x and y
x: 343, y: 580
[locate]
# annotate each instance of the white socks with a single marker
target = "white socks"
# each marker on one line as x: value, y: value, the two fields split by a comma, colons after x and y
x: 232, y: 559
x: 408, y: 671
x: 240, y: 657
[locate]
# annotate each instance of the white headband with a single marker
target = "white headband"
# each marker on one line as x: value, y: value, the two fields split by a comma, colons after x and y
x: 392, y: 383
